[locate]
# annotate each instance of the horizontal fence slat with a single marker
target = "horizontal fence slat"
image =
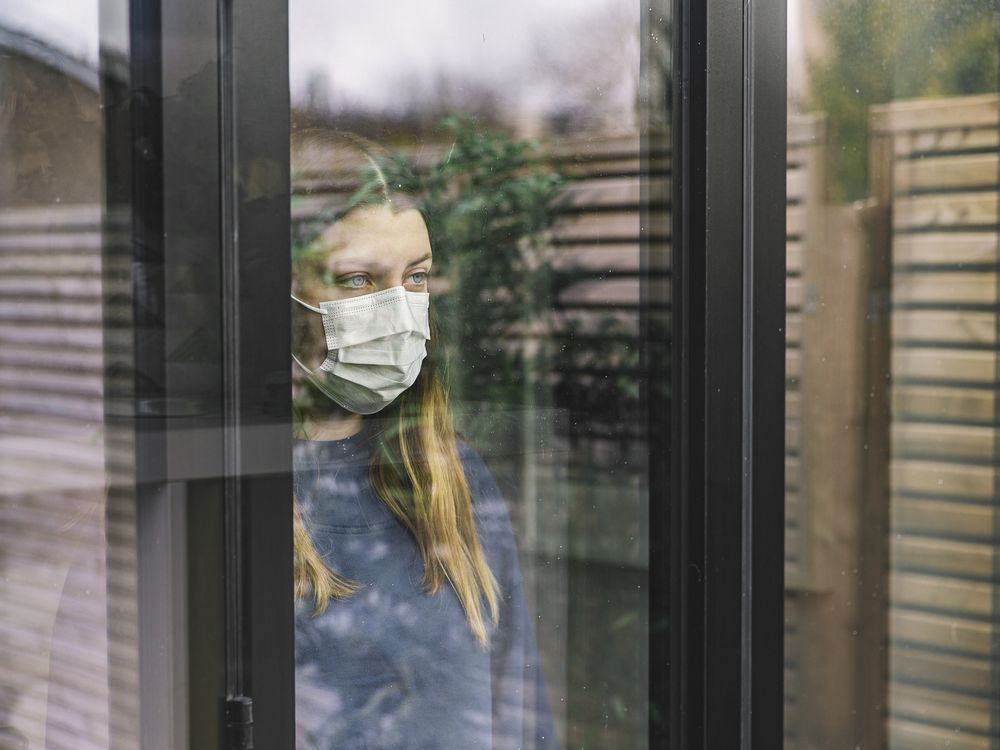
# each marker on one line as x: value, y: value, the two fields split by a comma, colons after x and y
x: 793, y: 256
x: 943, y: 557
x: 936, y: 114
x: 945, y: 141
x: 942, y: 247
x: 949, y: 326
x: 615, y: 227
x: 941, y: 478
x: 613, y: 192
x: 944, y: 364
x: 970, y: 288
x: 949, y: 172
x: 938, y: 593
x: 941, y: 403
x: 796, y: 221
x: 953, y: 210
x: 940, y: 632
x: 943, y: 517
x: 961, y: 713
x: 911, y: 735
x: 944, y: 441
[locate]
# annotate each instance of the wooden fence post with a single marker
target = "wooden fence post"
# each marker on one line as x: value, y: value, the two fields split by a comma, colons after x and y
x: 873, y: 560
x: 834, y: 380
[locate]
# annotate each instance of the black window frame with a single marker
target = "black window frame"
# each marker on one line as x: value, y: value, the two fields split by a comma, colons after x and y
x: 198, y: 160
x: 717, y: 545
x: 727, y: 493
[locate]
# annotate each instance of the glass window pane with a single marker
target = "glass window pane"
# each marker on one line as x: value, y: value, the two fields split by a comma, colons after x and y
x: 891, y: 474
x: 506, y: 167
x: 68, y: 536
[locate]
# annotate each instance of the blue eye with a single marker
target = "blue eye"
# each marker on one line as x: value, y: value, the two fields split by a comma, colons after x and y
x: 358, y: 281
x: 418, y: 278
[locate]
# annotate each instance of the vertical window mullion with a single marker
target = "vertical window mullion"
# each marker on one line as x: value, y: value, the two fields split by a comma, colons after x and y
x: 729, y: 287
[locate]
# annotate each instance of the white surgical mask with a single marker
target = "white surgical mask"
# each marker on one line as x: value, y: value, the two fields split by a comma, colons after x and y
x: 375, y: 345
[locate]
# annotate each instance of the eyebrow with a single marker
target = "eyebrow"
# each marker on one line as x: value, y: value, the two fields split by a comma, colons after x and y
x: 427, y: 257
x: 367, y: 264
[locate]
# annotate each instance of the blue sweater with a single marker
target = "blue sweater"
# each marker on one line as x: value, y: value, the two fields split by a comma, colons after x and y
x: 392, y: 666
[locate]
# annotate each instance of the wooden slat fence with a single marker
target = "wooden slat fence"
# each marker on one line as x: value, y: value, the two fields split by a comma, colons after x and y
x: 804, y: 179
x: 943, y: 689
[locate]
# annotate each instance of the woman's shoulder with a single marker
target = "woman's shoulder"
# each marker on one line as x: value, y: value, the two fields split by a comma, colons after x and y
x: 482, y: 485
x: 488, y: 502
x: 472, y: 461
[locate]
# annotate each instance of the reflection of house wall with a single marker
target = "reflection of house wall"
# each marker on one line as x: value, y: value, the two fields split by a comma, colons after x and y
x: 50, y: 127
x: 53, y: 632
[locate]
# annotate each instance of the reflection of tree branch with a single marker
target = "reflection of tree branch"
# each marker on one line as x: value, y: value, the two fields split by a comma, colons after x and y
x: 489, y: 201
x: 588, y: 69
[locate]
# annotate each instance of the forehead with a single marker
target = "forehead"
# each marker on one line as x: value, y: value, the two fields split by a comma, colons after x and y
x: 376, y: 233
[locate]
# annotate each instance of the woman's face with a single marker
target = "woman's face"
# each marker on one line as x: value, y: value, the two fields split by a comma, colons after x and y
x: 372, y: 248
x: 368, y: 250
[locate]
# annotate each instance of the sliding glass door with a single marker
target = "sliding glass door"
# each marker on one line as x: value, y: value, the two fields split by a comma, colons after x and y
x: 408, y: 378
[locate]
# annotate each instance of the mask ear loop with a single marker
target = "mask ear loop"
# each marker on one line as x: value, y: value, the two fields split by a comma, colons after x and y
x: 320, y: 310
x: 317, y: 382
x: 298, y: 361
x: 310, y: 375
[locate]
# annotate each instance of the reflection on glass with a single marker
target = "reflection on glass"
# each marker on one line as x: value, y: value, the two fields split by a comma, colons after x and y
x: 479, y: 277
x: 393, y: 509
x: 60, y: 685
x: 893, y: 603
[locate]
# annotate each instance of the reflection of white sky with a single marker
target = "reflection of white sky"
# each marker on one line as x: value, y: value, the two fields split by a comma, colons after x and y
x: 368, y: 50
x: 70, y: 26
x: 373, y: 54
x: 796, y: 54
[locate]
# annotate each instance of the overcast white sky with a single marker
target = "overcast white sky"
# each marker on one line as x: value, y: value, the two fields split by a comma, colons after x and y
x: 361, y: 44
x: 369, y: 51
x: 71, y: 26
x: 67, y: 25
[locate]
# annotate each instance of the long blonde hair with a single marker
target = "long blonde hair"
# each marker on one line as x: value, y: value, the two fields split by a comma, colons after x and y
x: 415, y: 469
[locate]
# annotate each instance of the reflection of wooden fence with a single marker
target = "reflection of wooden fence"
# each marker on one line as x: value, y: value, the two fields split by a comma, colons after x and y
x: 829, y: 279
x: 892, y: 570
x: 833, y: 688
x: 804, y: 183
x: 621, y: 256
x: 804, y: 180
x: 942, y: 158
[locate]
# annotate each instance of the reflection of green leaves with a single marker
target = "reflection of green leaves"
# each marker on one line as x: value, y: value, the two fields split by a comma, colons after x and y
x: 488, y: 200
x: 618, y: 707
x: 628, y: 618
x: 882, y: 50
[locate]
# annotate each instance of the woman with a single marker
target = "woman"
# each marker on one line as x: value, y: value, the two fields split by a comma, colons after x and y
x: 411, y: 628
